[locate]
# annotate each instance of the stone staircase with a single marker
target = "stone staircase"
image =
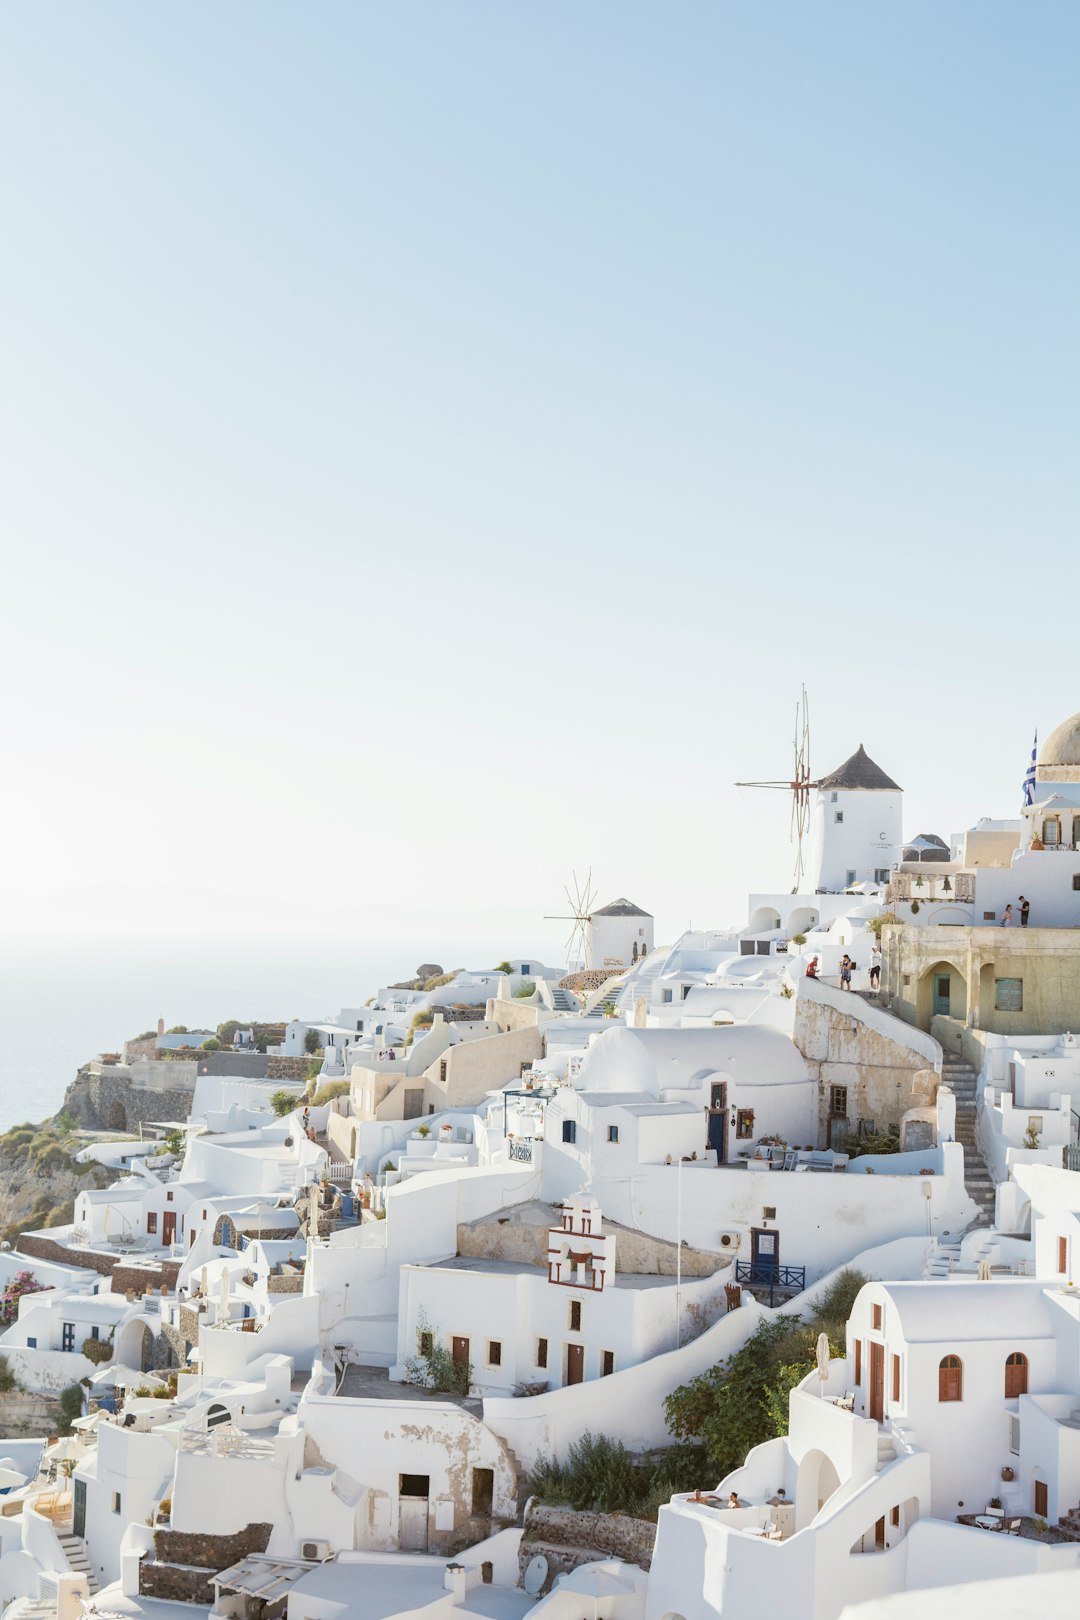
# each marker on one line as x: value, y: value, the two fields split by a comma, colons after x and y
x: 962, y: 1081
x: 563, y: 1001
x: 1069, y: 1524
x: 78, y: 1559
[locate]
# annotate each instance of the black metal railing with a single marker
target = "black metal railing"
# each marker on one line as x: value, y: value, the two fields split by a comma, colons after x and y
x: 521, y: 1151
x: 767, y: 1274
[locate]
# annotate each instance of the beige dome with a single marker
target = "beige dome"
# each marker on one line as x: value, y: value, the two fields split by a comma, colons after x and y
x: 1062, y: 747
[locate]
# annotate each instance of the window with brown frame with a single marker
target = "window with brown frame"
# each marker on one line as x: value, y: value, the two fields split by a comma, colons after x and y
x: 896, y: 1378
x: 1016, y: 1375
x: 1063, y: 1255
x: 541, y: 1352
x: 575, y: 1316
x: 494, y: 1353
x: 607, y: 1363
x: 858, y: 1361
x: 875, y: 1317
x: 950, y: 1379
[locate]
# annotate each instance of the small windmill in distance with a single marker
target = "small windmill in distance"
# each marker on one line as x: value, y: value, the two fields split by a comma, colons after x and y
x: 581, y: 902
x: 799, y: 786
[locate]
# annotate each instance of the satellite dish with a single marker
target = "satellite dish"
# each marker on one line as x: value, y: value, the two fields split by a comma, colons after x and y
x: 535, y: 1575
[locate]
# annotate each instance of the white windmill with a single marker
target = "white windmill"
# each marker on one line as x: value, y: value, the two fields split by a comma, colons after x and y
x: 580, y: 898
x: 798, y: 785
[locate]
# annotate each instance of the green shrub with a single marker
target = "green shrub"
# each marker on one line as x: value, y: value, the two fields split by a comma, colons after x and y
x: 211, y: 1044
x: 742, y: 1402
x: 439, y: 980
x: 71, y: 1404
x: 798, y: 939
x: 525, y: 988
x: 601, y: 1476
x: 434, y: 1366
x: 97, y: 1350
x: 884, y: 919
x: 877, y: 1142
x: 502, y: 967
x: 327, y: 1093
x: 283, y: 1102
x: 8, y: 1380
x: 177, y: 1029
x: 311, y: 1042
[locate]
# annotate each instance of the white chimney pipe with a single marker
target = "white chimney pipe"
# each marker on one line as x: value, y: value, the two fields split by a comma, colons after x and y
x: 454, y: 1582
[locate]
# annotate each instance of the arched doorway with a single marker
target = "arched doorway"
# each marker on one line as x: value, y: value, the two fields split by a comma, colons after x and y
x: 818, y: 1479
x: 942, y: 991
x: 765, y: 920
x: 802, y: 920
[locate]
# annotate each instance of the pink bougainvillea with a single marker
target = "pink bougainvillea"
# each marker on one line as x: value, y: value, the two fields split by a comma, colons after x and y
x: 23, y: 1282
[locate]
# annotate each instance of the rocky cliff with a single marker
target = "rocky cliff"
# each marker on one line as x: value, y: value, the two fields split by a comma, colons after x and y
x: 39, y: 1177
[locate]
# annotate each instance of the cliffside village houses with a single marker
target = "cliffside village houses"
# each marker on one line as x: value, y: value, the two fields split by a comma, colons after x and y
x: 580, y: 1195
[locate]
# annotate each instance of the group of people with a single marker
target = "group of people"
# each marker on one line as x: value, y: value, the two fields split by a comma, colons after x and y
x: 1024, y: 907
x: 847, y: 968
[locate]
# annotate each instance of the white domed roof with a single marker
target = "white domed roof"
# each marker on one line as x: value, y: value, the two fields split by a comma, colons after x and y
x: 618, y: 1061
x: 1062, y: 747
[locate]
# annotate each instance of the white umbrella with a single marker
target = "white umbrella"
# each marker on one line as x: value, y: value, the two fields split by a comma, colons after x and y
x: 10, y: 1478
x: 822, y: 1357
x: 223, y: 1297
x: 64, y: 1450
x: 121, y: 1377
x: 87, y: 1423
x: 985, y: 1274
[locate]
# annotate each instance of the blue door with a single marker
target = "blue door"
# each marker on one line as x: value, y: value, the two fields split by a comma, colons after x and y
x: 717, y: 1129
x: 765, y: 1256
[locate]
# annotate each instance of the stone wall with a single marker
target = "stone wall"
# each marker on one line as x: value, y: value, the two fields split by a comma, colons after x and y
x: 138, y: 1280
x: 287, y: 1068
x: 520, y: 1234
x: 205, y: 1551
x: 45, y: 1249
x: 109, y: 1102
x: 176, y: 1583
x: 568, y: 1539
x: 883, y: 1076
x: 24, y: 1415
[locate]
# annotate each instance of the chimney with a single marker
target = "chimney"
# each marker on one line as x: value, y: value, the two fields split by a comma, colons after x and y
x: 161, y: 1026
x: 454, y: 1582
x: 72, y: 1594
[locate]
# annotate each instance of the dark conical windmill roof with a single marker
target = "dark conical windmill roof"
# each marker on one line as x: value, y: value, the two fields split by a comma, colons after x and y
x: 860, y: 772
x: 621, y: 908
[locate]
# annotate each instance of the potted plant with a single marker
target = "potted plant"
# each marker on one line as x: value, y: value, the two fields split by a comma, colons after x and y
x: 423, y: 1130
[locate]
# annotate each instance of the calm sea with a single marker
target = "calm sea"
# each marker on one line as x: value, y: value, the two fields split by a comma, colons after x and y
x: 61, y: 1002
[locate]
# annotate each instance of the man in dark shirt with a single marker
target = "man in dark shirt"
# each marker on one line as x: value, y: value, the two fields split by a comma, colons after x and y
x: 1025, y: 907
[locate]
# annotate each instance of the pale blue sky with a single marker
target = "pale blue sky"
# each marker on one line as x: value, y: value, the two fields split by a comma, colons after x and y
x: 439, y: 438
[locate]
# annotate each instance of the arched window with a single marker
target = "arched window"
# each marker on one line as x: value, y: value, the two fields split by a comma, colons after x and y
x: 950, y: 1379
x: 1016, y: 1375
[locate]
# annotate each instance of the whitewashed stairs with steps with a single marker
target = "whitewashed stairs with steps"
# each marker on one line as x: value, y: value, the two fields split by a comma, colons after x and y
x: 962, y: 1081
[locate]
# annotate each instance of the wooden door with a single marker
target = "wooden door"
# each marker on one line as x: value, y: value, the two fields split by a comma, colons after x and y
x: 877, y: 1381
x: 413, y: 1523
x: 79, y: 1520
x: 460, y: 1351
x: 1042, y: 1504
x: 575, y: 1363
x: 168, y: 1227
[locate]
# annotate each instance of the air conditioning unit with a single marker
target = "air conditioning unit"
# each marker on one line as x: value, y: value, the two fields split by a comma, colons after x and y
x: 730, y: 1240
x: 317, y: 1551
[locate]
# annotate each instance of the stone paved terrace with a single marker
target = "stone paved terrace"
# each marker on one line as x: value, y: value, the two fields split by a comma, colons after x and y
x: 373, y: 1384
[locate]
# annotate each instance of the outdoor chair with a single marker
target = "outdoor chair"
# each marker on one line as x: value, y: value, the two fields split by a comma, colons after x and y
x: 1014, y: 1527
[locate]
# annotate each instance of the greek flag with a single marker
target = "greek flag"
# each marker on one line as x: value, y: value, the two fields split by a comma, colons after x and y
x: 1029, y: 774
